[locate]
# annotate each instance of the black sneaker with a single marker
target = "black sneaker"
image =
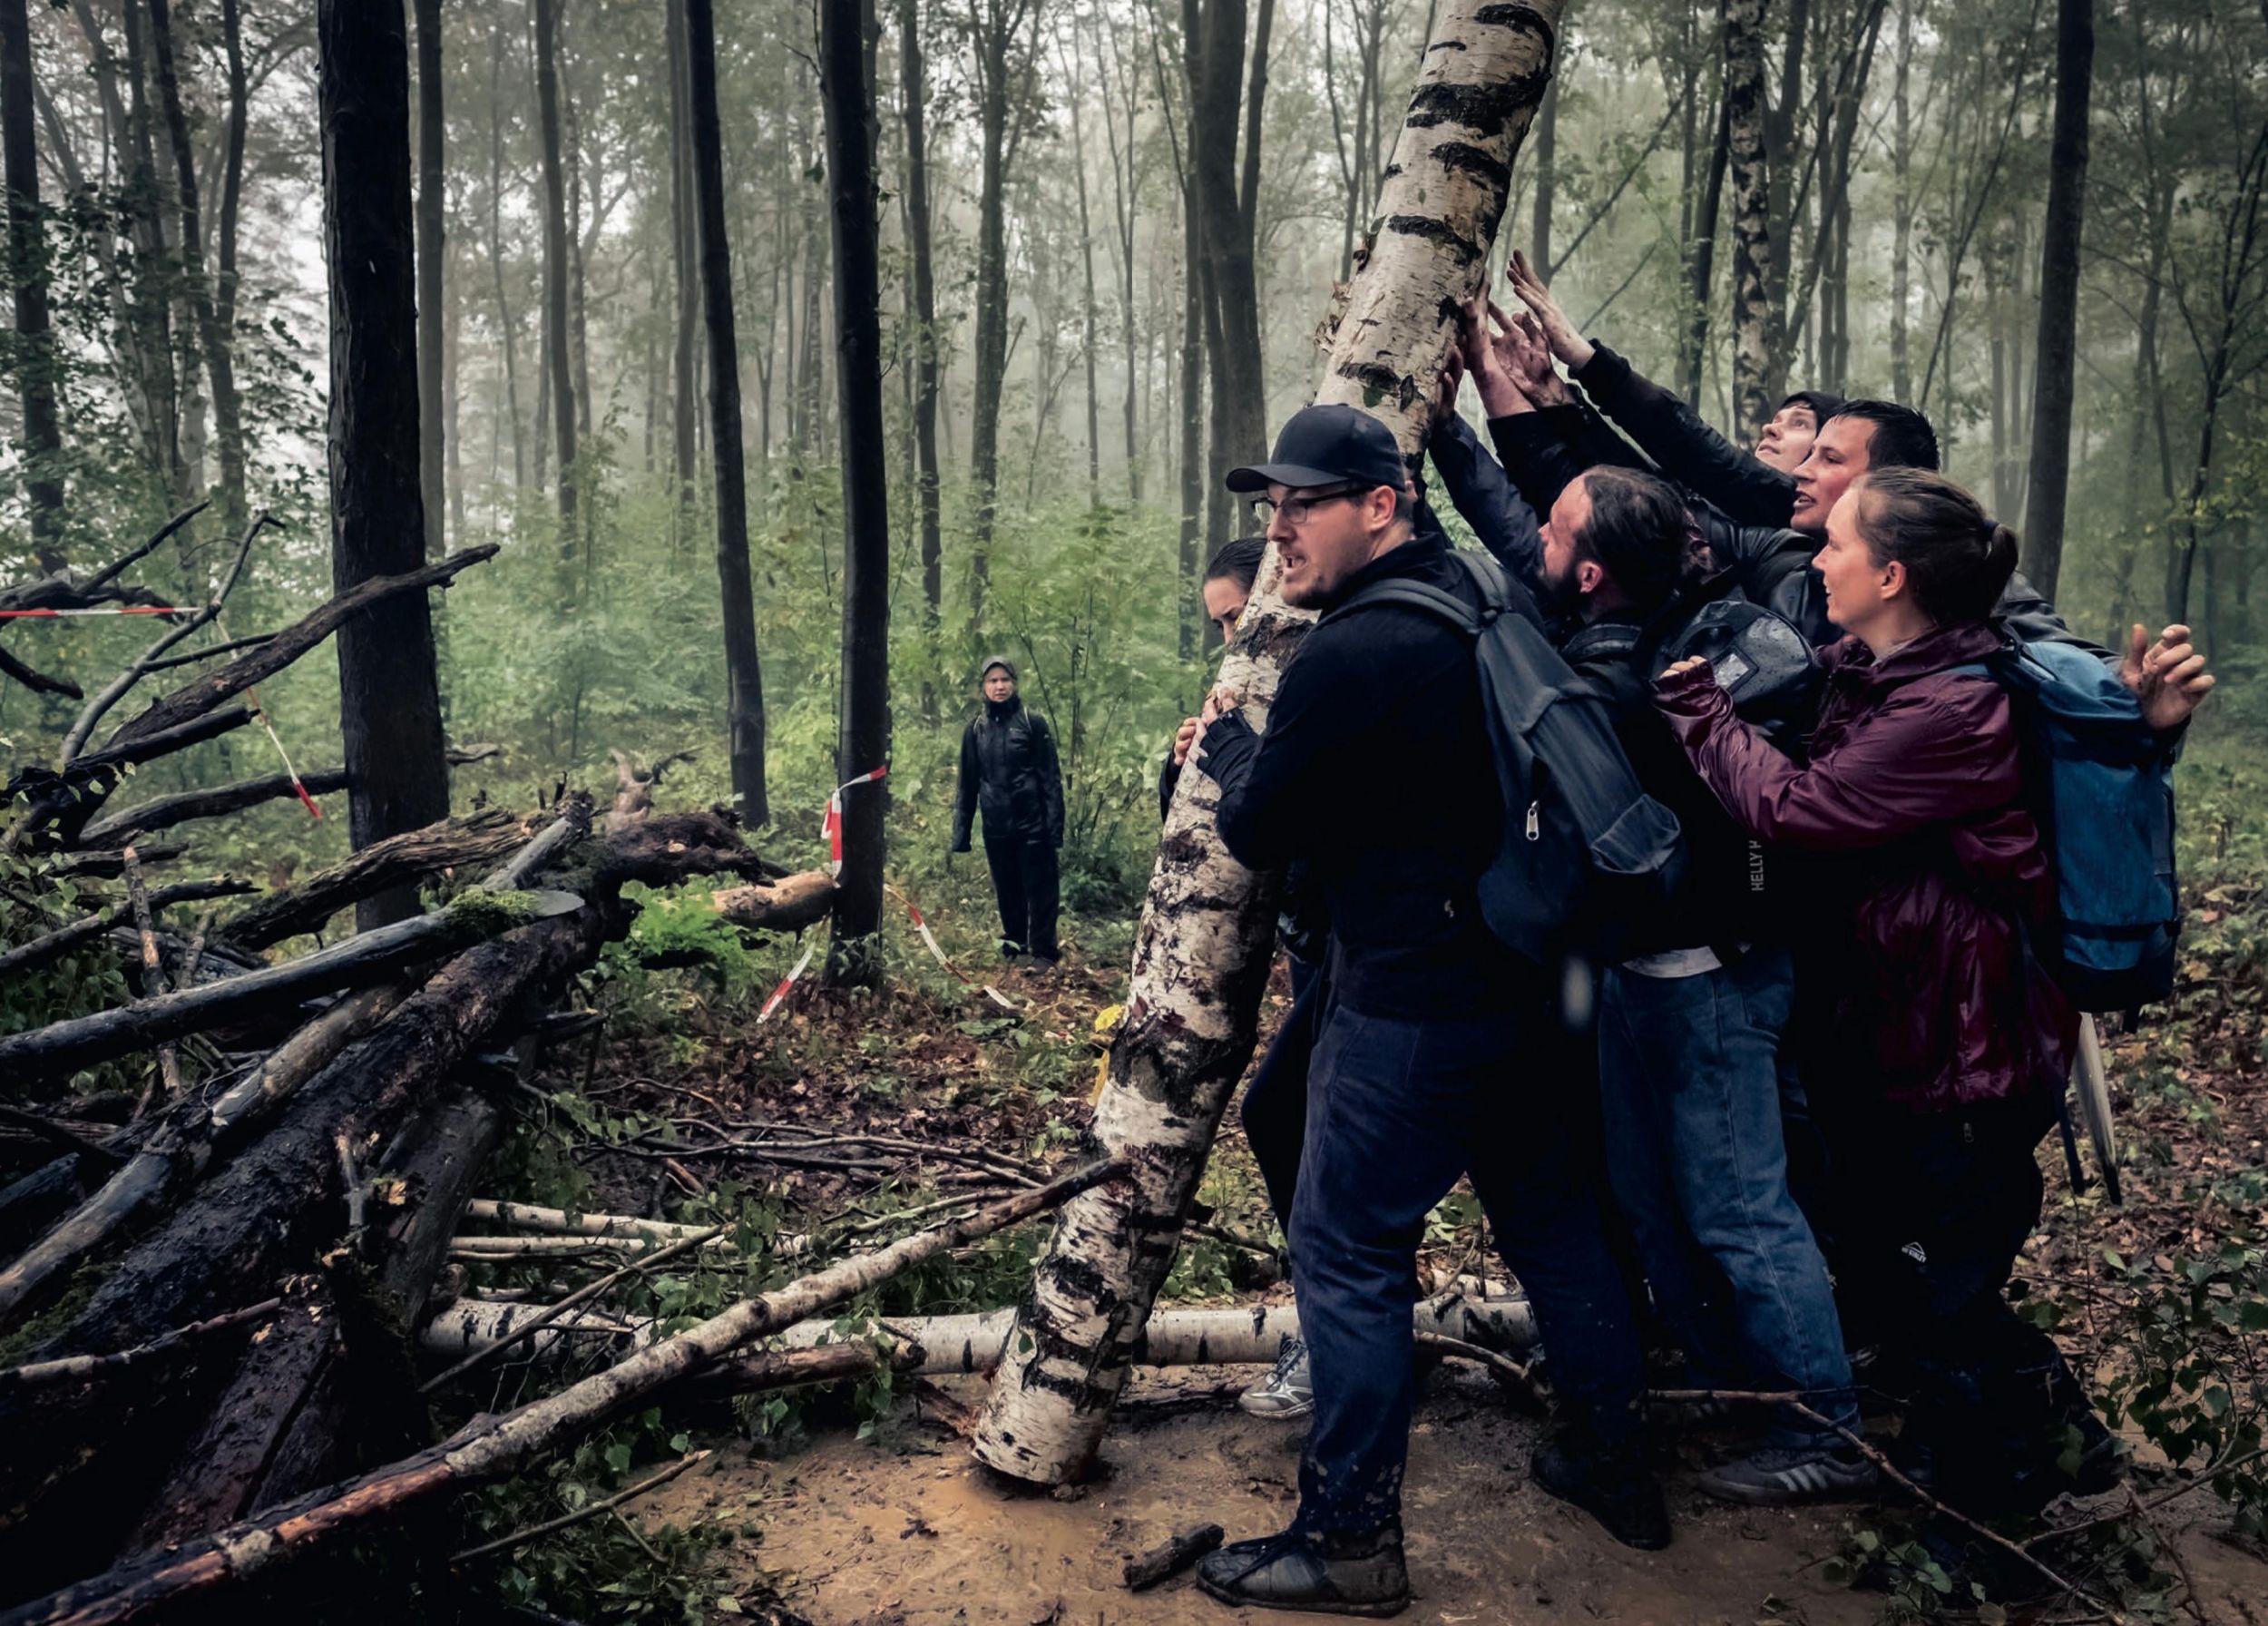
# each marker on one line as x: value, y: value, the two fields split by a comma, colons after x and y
x: 1614, y: 1488
x: 1300, y: 1569
x: 1781, y: 1476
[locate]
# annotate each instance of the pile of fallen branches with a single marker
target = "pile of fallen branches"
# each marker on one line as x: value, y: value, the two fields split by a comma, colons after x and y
x: 209, y: 1286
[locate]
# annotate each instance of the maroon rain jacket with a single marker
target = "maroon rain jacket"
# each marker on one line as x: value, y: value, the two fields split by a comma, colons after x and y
x: 1915, y: 780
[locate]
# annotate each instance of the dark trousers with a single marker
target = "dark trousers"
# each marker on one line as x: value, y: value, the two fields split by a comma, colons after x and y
x: 1028, y: 885
x: 1939, y: 1207
x: 1275, y: 1110
x: 1397, y: 1110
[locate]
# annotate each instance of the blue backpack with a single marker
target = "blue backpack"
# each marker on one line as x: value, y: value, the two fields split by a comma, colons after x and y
x: 2100, y: 782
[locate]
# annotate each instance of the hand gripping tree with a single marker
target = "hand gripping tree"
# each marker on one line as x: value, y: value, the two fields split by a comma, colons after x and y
x: 1207, y: 935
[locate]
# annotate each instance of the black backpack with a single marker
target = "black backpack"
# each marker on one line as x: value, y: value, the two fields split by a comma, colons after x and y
x: 1761, y: 658
x: 1584, y: 851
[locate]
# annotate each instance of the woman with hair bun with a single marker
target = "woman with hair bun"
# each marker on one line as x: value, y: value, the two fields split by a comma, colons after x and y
x: 1951, y: 1044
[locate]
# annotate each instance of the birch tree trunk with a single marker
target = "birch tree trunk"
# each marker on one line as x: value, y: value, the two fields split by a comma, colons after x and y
x: 1756, y: 338
x: 1203, y: 951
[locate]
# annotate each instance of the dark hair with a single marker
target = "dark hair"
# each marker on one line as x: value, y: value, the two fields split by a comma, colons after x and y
x: 1237, y: 562
x: 1824, y: 402
x: 1636, y: 531
x: 1958, y: 560
x: 1901, y: 437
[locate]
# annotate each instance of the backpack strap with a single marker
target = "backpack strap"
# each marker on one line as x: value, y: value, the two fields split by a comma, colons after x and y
x: 1488, y: 579
x: 1609, y: 639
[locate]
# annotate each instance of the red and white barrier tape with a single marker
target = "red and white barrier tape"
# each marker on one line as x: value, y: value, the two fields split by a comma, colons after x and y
x: 831, y: 827
x: 929, y: 941
x: 92, y: 609
x: 298, y: 785
x: 786, y: 983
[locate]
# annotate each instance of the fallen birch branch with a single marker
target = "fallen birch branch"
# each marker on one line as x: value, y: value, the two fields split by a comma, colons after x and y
x: 491, y: 1448
x: 591, y: 1511
x: 74, y: 1369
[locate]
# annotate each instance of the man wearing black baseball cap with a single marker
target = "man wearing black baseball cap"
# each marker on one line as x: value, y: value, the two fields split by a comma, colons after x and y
x: 1376, y: 771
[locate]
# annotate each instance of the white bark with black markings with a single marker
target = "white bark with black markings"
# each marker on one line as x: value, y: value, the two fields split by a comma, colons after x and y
x: 1205, y: 940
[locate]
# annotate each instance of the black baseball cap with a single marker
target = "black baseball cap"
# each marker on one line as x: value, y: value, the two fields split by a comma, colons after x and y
x: 1323, y: 446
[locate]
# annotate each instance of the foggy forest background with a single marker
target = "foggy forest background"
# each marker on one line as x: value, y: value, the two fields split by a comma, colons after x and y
x: 1045, y: 167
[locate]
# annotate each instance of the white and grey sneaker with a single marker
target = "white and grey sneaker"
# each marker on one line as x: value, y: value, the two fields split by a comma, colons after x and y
x: 1287, y: 1391
x: 1783, y: 1476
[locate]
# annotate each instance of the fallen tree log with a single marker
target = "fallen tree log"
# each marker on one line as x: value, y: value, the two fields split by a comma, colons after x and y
x: 178, y: 1150
x: 1202, y: 953
x: 531, y: 1217
x: 78, y: 1368
x: 200, y: 694
x: 46, y: 950
x: 412, y: 856
x: 82, y: 1041
x: 971, y: 1343
x: 492, y: 1448
x: 267, y: 1211
x: 789, y: 904
x: 299, y: 1412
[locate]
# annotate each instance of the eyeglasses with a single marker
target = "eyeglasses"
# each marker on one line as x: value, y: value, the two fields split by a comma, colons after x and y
x: 1298, y: 506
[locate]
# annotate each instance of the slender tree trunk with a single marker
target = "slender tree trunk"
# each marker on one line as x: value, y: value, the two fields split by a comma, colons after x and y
x: 506, y: 325
x: 1700, y: 285
x: 1782, y: 119
x: 1901, y: 209
x: 686, y: 260
x: 2055, y: 350
x: 389, y: 695
x: 1757, y: 339
x: 217, y: 343
x: 995, y: 27
x: 27, y: 274
x: 431, y: 247
x: 744, y: 675
x: 558, y: 371
x: 1543, y: 167
x: 154, y: 313
x: 913, y: 89
x: 1203, y: 951
x: 847, y: 43
x: 1087, y: 312
x: 1239, y: 404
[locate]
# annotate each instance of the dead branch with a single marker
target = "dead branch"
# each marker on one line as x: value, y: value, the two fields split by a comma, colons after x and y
x: 412, y: 856
x: 59, y: 1134
x: 212, y: 652
x: 163, y: 812
x: 82, y: 1041
x: 117, y: 688
x: 110, y: 864
x: 62, y: 593
x: 75, y: 1369
x: 287, y: 645
x: 633, y: 788
x: 1795, y: 1400
x: 1177, y: 1553
x: 67, y: 798
x: 182, y: 1147
x: 529, y: 1217
x: 590, y: 1512
x: 154, y: 985
x: 784, y: 905
x: 37, y: 681
x: 580, y: 1296
x: 492, y: 1448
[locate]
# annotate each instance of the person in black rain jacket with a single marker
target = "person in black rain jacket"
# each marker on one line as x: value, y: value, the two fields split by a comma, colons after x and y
x: 1009, y: 773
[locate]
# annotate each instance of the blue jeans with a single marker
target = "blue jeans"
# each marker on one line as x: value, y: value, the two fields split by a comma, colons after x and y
x: 1689, y: 1072
x: 1397, y: 1110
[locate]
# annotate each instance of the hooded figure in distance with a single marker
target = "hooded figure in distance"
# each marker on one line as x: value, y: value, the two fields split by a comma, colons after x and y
x: 1008, y: 774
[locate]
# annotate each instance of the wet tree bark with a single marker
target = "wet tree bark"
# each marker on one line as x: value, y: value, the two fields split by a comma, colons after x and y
x: 27, y: 256
x: 1756, y: 332
x: 2056, y: 353
x: 846, y: 39
x: 218, y: 344
x: 1203, y: 950
x: 430, y: 250
x: 744, y: 675
x: 912, y: 89
x: 559, y: 372
x: 389, y: 698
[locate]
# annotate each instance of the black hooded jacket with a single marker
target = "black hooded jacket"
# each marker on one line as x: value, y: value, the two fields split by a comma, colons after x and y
x: 1010, y: 774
